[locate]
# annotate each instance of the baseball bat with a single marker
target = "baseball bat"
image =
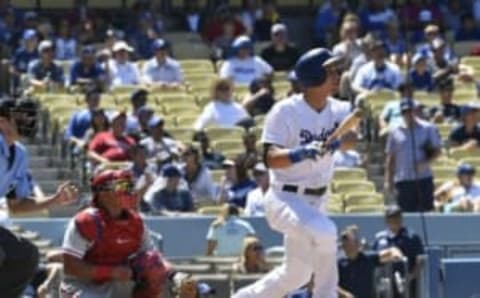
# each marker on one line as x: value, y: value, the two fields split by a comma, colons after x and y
x: 349, y: 123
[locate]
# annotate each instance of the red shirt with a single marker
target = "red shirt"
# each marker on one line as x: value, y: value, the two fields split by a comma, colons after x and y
x: 110, y: 147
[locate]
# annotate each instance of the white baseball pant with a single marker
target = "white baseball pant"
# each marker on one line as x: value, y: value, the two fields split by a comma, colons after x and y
x: 310, y: 247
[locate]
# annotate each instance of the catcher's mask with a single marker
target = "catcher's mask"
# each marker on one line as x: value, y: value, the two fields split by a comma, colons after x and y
x: 23, y: 112
x: 120, y: 182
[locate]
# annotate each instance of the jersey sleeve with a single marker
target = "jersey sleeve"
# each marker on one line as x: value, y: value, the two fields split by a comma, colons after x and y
x: 212, y: 233
x: 264, y: 67
x: 73, y: 243
x: 275, y: 130
x: 24, y: 183
x: 226, y: 70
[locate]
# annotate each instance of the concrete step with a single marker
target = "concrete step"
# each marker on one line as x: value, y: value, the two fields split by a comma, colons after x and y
x: 42, y: 174
x: 39, y: 162
x: 375, y: 169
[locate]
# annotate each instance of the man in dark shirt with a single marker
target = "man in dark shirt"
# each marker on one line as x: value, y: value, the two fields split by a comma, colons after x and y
x: 260, y: 98
x: 466, y: 136
x: 356, y: 269
x: 409, y: 243
x: 44, y: 73
x: 171, y: 199
x: 86, y: 70
x: 281, y: 55
x: 446, y: 111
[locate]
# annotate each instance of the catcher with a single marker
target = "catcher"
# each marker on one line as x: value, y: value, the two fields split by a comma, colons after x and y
x: 107, y: 252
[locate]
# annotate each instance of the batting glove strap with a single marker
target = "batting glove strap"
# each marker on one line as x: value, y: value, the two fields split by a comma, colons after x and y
x: 299, y: 154
x: 333, y: 146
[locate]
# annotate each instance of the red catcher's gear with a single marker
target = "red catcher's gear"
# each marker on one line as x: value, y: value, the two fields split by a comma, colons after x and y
x: 113, y: 240
x: 118, y: 181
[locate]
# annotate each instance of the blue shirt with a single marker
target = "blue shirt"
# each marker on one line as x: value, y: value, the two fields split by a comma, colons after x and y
x: 401, y: 144
x: 15, y: 176
x: 392, y: 114
x: 237, y: 194
x: 229, y: 236
x: 22, y: 58
x: 180, y: 200
x: 421, y: 82
x: 38, y: 71
x: 78, y: 124
x: 78, y: 71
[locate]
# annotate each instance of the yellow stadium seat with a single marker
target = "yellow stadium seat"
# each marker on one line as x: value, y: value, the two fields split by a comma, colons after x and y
x: 186, y: 120
x: 181, y: 109
x: 365, y: 209
x: 217, y: 175
x: 172, y: 99
x: 461, y: 154
x: 194, y: 49
x: 363, y: 198
x: 228, y: 145
x: 196, y: 64
x: 353, y: 186
x: 182, y: 133
x: 25, y: 4
x: 210, y: 210
x: 280, y: 76
x: 471, y: 60
x: 444, y: 129
x: 47, y: 99
x: 219, y: 133
x: 349, y: 174
x: 334, y: 208
x: 474, y: 161
x: 202, y: 101
x: 443, y: 171
x: 125, y: 89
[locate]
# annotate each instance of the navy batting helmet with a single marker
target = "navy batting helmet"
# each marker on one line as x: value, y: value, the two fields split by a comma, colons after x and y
x: 310, y: 68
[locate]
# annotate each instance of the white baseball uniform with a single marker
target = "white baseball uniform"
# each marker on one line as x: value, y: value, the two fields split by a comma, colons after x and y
x: 310, y: 236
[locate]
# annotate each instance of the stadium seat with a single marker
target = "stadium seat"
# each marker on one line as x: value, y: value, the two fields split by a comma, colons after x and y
x: 354, y: 185
x: 334, y: 207
x: 181, y: 109
x: 192, y: 50
x: 210, y: 210
x: 217, y: 175
x: 105, y: 4
x: 242, y: 280
x: 186, y: 120
x: 159, y: 91
x: 173, y: 99
x: 461, y: 154
x: 220, y: 133
x: 363, y: 198
x: 474, y: 161
x: 443, y: 172
x: 196, y: 64
x: 182, y: 133
x: 125, y: 89
x: 365, y: 209
x: 444, y: 129
x: 349, y: 174
x: 227, y: 145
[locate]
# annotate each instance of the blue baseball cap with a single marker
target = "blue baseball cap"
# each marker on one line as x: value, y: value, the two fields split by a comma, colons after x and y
x: 159, y: 44
x: 465, y: 169
x: 407, y: 104
x: 468, y: 108
x: 88, y: 50
x: 418, y: 57
x: 29, y: 34
x: 154, y: 122
x: 170, y: 171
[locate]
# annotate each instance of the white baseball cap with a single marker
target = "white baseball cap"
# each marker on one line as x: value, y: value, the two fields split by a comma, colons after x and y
x: 122, y: 45
x: 279, y: 28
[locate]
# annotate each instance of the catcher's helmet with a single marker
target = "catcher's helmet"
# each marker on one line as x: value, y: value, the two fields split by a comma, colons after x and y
x: 23, y: 111
x: 310, y: 68
x: 118, y: 181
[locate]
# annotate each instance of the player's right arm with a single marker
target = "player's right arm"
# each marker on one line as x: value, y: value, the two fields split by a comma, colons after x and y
x: 75, y: 246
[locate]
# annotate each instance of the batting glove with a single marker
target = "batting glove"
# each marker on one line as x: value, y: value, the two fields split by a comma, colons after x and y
x: 309, y: 151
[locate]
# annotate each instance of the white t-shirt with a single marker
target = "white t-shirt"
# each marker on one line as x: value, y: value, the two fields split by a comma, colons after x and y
x: 255, y: 205
x: 369, y: 78
x: 229, y: 236
x: 347, y: 159
x: 244, y: 71
x: 292, y: 123
x: 460, y: 192
x: 123, y: 74
x: 220, y: 113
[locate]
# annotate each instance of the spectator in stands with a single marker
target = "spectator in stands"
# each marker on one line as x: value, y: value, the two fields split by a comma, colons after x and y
x: 112, y: 145
x: 194, y: 18
x: 222, y: 44
x: 235, y: 191
x: 420, y: 76
x: 252, y: 257
x: 162, y: 70
x: 243, y: 67
x: 255, y: 205
x: 391, y: 116
x: 327, y: 19
x: 210, y: 158
x: 378, y: 74
x: 44, y: 73
x: 280, y: 54
x: 268, y: 17
x: 447, y: 110
x: 439, y: 58
x: 214, y: 27
x: 295, y: 87
x: 460, y: 195
x: 143, y: 34
x: 161, y: 149
x: 410, y: 149
x: 350, y: 46
x: 171, y: 199
x: 432, y: 32
x: 122, y: 71
x: 81, y: 121
x: 226, y: 234
x: 223, y: 111
x: 376, y: 16
x: 198, y: 176
x: 407, y: 241
x: 138, y: 101
x: 24, y: 55
x: 356, y: 269
x: 416, y: 13
x: 453, y: 10
x: 144, y: 173
x: 65, y: 43
x: 260, y: 98
x: 87, y: 71
x: 250, y: 154
x: 347, y: 156
x: 468, y: 31
x: 466, y: 136
x: 99, y: 123
x: 395, y: 42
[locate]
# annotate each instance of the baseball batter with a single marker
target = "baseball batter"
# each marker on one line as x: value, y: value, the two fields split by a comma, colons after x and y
x: 299, y: 139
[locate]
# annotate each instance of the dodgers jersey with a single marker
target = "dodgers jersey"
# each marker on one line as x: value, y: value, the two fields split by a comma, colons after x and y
x: 292, y: 123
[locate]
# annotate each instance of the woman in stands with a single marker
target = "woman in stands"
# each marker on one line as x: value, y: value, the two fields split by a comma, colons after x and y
x: 223, y: 111
x: 252, y: 259
x: 197, y: 176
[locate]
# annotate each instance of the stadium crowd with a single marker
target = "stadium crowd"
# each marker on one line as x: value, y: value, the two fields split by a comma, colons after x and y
x: 398, y: 60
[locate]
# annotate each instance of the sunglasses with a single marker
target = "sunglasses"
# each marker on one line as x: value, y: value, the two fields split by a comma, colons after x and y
x: 257, y: 248
x: 118, y: 186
